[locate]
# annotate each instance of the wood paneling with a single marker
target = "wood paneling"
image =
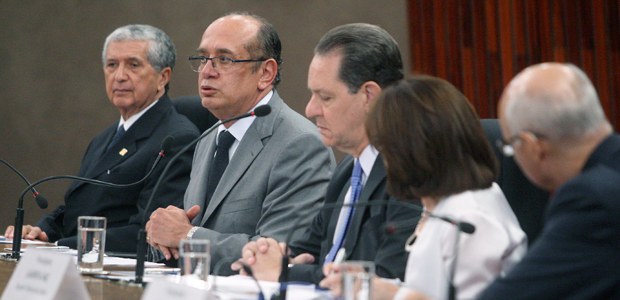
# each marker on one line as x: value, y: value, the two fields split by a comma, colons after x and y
x: 479, y: 45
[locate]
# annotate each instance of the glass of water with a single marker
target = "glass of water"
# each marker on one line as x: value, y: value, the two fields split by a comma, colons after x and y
x: 91, y: 243
x: 357, y: 279
x: 195, y: 257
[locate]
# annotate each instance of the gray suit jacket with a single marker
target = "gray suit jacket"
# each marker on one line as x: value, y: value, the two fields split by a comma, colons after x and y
x: 280, y: 168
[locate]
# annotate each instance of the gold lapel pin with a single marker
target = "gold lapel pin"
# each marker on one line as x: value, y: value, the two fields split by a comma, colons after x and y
x: 123, y: 152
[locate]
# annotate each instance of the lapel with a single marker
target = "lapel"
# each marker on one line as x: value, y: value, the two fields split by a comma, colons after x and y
x: 93, y: 153
x: 103, y: 161
x: 249, y: 148
x: 373, y: 183
x: 200, y: 172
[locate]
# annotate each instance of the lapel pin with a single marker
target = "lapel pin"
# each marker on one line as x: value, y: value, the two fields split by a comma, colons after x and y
x: 123, y: 152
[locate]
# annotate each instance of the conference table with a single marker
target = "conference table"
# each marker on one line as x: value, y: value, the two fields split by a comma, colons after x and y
x: 99, y: 289
x: 233, y: 287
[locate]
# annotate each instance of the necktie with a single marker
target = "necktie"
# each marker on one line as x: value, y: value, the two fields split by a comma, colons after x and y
x: 117, y: 136
x: 347, y: 212
x: 219, y: 163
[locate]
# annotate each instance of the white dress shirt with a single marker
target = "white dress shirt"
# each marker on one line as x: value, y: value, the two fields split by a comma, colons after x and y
x: 497, y: 244
x: 133, y: 119
x: 241, y: 126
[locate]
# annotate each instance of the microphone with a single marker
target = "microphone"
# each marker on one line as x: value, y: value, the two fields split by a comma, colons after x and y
x: 462, y: 226
x: 259, y: 111
x: 19, y: 218
x: 40, y: 200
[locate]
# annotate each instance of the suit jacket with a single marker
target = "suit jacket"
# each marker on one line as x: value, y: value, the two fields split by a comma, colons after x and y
x: 279, y: 168
x: 576, y: 256
x: 126, y: 162
x: 367, y: 237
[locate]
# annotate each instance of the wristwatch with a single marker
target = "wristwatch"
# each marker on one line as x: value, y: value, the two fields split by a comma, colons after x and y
x: 191, y: 232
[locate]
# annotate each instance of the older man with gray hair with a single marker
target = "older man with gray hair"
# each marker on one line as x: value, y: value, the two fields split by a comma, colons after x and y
x: 554, y: 125
x: 137, y: 66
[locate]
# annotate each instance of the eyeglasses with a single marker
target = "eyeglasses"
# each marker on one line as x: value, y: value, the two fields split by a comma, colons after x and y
x: 506, y: 146
x: 220, y: 63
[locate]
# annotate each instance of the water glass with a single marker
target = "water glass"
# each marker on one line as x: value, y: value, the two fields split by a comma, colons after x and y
x: 195, y: 257
x: 91, y: 243
x: 357, y: 279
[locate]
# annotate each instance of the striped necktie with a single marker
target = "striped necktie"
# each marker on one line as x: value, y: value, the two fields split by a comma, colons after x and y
x: 347, y: 212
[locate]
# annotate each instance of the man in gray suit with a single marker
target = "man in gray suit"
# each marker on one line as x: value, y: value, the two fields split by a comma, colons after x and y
x: 278, y: 165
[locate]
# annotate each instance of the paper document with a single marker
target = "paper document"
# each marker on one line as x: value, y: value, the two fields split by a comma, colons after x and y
x: 4, y: 240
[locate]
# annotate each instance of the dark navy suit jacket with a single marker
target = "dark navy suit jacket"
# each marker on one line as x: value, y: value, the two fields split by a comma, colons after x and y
x: 366, y: 238
x: 126, y: 162
x: 577, y: 255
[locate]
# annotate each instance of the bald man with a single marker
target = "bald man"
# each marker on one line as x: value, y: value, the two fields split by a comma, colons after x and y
x: 554, y: 125
x: 273, y: 167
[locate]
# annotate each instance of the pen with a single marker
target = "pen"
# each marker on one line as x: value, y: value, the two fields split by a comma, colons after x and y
x: 339, y: 256
x: 163, y: 271
x: 338, y: 259
x: 59, y: 248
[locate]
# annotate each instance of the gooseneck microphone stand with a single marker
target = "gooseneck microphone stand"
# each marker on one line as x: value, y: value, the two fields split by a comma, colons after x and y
x: 259, y: 111
x: 19, y: 217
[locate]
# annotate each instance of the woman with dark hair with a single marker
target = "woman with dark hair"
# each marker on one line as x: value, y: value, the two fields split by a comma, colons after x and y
x: 434, y: 149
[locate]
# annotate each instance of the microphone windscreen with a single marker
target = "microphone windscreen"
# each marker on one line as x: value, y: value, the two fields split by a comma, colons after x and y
x: 467, y: 227
x: 390, y: 229
x: 262, y: 110
x: 41, y: 201
x: 166, y: 145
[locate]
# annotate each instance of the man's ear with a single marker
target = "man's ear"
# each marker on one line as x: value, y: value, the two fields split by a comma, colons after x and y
x: 164, y: 78
x: 534, y: 147
x: 268, y: 72
x: 371, y: 91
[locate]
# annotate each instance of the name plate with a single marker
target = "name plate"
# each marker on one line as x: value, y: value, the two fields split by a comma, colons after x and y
x: 163, y: 289
x: 45, y: 275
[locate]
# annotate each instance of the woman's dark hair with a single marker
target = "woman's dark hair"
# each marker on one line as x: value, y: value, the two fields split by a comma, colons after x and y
x: 431, y: 140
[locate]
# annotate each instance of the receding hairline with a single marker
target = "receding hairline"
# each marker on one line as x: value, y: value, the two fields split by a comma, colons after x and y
x: 249, y: 21
x: 555, y: 100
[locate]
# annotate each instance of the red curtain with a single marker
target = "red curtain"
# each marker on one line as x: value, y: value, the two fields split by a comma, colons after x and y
x: 479, y: 45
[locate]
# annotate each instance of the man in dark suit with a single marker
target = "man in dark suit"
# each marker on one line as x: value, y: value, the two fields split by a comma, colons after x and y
x: 274, y: 166
x: 351, y: 65
x: 553, y: 123
x: 137, y: 65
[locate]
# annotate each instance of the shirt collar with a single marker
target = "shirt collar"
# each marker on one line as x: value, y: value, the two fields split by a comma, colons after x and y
x: 241, y: 126
x: 367, y: 159
x: 127, y: 123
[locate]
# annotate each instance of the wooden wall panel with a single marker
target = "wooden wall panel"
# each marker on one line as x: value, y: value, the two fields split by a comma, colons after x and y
x: 480, y: 45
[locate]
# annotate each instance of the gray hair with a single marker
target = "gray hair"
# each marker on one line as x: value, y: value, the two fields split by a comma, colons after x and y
x: 369, y: 53
x: 161, y: 52
x: 568, y: 108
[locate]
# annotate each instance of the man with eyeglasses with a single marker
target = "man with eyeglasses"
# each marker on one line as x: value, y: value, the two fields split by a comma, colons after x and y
x: 273, y: 167
x: 553, y: 123
x: 137, y: 63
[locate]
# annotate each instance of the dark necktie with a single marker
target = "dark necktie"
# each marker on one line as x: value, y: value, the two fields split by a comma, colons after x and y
x: 347, y: 215
x: 119, y: 134
x: 219, y: 162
